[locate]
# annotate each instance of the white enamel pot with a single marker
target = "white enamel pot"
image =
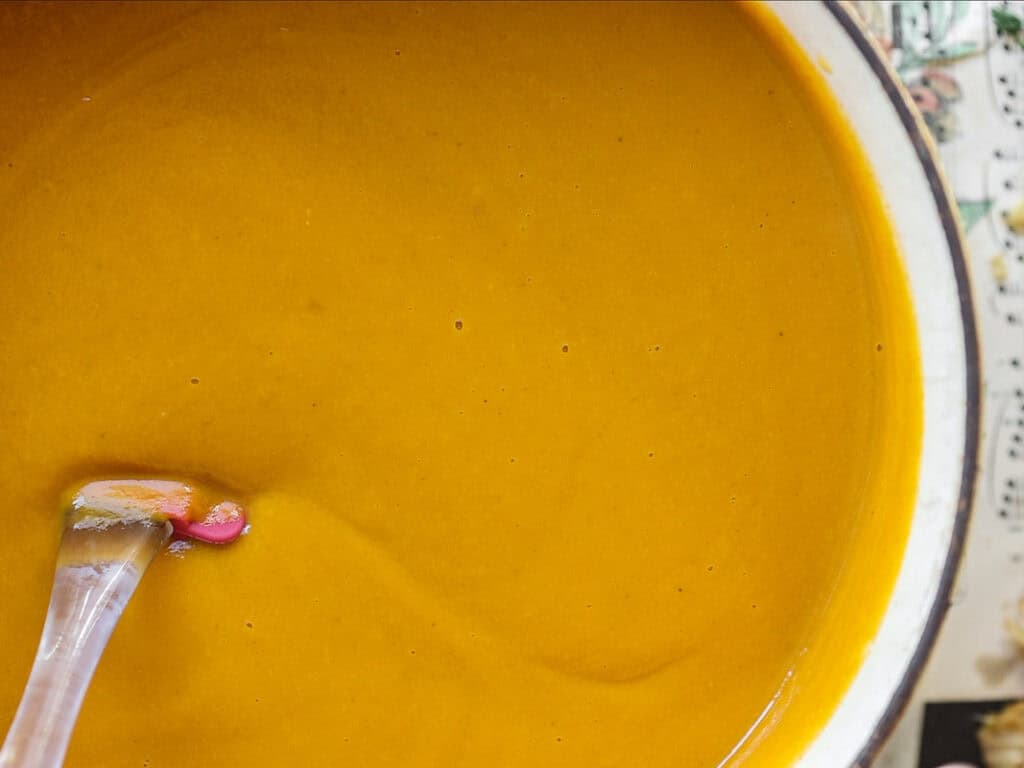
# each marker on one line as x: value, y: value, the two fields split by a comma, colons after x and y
x: 899, y: 150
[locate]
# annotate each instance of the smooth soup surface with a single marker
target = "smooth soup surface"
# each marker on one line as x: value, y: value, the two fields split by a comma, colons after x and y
x: 562, y: 352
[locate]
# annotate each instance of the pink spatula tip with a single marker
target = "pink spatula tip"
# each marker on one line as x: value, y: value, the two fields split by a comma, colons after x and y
x: 223, y: 524
x: 193, y: 511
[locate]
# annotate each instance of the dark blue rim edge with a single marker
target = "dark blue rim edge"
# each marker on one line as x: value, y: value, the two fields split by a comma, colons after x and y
x: 951, y: 230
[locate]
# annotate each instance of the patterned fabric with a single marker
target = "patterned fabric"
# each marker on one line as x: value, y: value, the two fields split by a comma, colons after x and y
x: 963, y: 63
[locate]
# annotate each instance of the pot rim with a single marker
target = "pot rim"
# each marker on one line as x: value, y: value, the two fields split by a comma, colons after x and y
x: 924, y: 147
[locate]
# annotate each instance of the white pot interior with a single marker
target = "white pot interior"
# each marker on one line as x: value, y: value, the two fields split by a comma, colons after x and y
x: 922, y: 223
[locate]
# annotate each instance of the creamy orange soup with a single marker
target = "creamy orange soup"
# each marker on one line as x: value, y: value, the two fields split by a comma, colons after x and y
x: 562, y: 353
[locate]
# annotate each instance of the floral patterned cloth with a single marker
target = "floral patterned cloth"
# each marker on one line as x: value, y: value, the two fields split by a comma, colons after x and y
x: 963, y: 63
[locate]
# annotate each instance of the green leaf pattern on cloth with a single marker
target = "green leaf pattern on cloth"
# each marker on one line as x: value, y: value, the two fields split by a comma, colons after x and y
x: 972, y: 211
x: 923, y: 41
